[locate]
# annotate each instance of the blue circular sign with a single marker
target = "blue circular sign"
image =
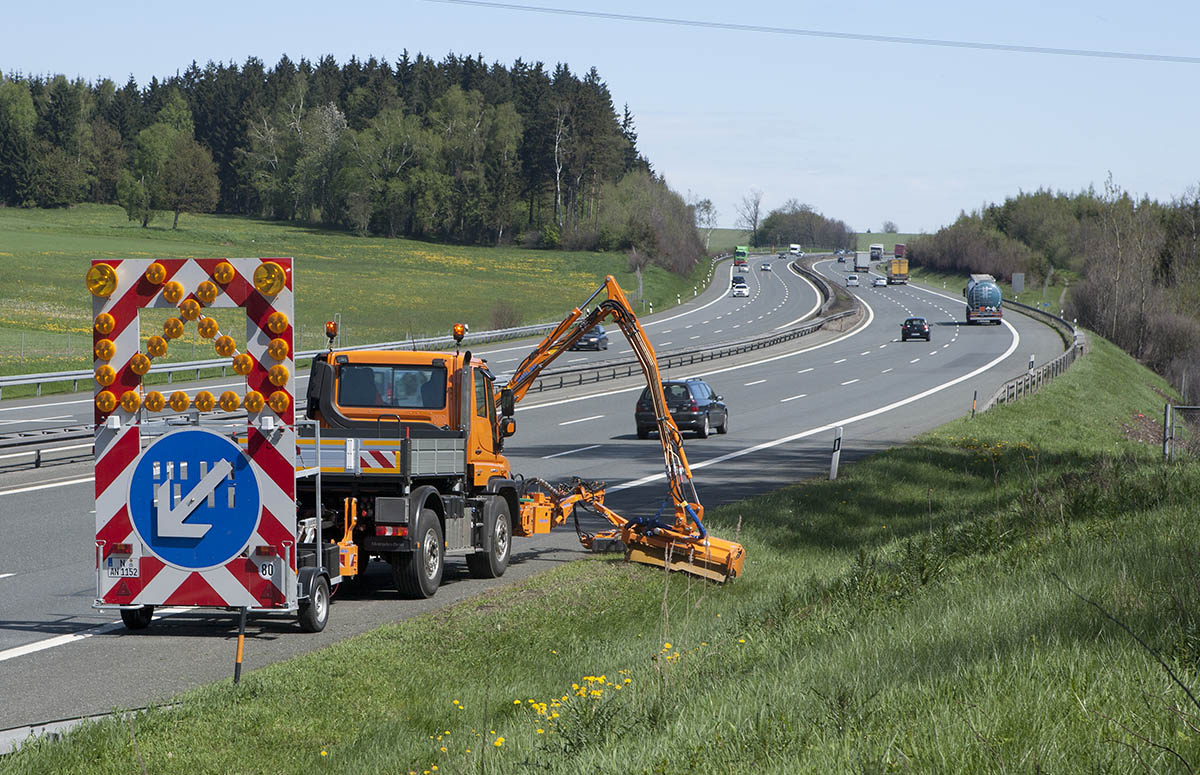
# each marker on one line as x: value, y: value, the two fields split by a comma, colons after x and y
x: 194, y: 499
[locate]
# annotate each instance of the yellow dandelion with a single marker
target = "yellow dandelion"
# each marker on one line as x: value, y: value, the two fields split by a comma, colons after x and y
x: 516, y: 702
x: 741, y: 640
x: 499, y: 742
x: 541, y: 731
x: 324, y: 753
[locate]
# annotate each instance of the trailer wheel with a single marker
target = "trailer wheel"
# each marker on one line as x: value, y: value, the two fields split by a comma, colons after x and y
x: 137, y: 618
x: 418, y: 574
x: 314, y: 612
x: 493, y: 561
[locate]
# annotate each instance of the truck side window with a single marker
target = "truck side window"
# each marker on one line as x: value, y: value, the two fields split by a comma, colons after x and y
x: 481, y: 395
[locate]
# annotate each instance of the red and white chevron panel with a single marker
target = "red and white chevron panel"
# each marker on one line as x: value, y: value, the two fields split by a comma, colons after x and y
x: 377, y: 461
x: 256, y: 578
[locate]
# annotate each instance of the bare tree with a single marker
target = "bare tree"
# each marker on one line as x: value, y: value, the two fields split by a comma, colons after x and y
x: 706, y: 218
x: 749, y: 212
x: 890, y: 227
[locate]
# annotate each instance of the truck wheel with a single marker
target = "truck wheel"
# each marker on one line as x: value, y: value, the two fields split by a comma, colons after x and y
x: 137, y: 618
x: 493, y: 561
x: 418, y: 573
x: 314, y: 611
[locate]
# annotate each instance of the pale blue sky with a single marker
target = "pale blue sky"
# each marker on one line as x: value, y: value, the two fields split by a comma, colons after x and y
x: 863, y: 131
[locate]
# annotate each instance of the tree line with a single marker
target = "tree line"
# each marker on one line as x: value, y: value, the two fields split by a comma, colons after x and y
x: 457, y: 150
x: 792, y: 223
x: 1130, y: 263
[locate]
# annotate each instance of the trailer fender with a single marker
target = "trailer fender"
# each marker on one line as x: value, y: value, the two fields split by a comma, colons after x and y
x: 507, y: 489
x: 307, y: 579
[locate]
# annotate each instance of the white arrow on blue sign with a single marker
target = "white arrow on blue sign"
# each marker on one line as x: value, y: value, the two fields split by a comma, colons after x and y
x: 194, y: 499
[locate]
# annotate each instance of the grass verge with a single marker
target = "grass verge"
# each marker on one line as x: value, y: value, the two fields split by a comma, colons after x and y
x: 385, y: 289
x: 916, y: 615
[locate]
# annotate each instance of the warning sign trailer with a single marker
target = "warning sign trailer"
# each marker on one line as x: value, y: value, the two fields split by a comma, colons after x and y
x: 204, y: 514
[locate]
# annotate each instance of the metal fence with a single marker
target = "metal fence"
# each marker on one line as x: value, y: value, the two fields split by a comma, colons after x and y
x: 1033, y: 380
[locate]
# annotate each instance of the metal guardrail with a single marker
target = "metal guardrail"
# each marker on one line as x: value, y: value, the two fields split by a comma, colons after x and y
x: 1032, y: 381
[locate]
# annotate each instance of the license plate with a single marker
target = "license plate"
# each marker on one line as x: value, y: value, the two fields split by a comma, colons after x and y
x: 121, y: 568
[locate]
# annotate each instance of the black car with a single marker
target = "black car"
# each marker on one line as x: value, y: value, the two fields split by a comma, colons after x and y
x: 596, y: 339
x: 914, y: 328
x: 693, y: 406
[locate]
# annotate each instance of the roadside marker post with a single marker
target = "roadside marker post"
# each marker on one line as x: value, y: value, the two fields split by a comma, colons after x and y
x: 837, y: 453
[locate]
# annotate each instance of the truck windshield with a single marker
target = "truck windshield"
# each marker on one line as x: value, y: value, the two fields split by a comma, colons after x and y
x: 400, y: 387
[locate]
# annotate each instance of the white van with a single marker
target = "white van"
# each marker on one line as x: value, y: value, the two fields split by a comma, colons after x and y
x: 795, y: 250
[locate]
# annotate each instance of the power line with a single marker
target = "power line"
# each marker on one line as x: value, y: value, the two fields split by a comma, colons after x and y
x: 979, y: 46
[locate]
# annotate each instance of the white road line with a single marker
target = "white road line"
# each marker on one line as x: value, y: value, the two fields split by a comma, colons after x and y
x: 805, y: 371
x: 47, y: 485
x: 506, y: 360
x: 914, y: 360
x: 6, y: 575
x: 815, y: 306
x: 667, y: 331
x: 697, y: 336
x: 885, y: 371
x: 582, y: 419
x: 51, y: 449
x: 623, y: 352
x: 62, y: 640
x: 755, y: 382
x: 719, y: 330
x: 882, y: 346
x: 840, y: 360
x: 792, y: 398
x: 661, y: 344
x: 849, y: 382
x: 38, y: 419
x: 569, y: 452
x: 943, y: 347
x: 569, y: 360
x: 868, y: 352
x: 935, y: 352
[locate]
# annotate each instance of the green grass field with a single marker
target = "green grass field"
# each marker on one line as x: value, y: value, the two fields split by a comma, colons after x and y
x: 384, y: 289
x: 917, y: 615
x: 725, y: 240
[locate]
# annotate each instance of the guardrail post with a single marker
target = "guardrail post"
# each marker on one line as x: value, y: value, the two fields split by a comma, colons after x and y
x: 678, y: 300
x: 837, y: 453
x: 1166, y: 438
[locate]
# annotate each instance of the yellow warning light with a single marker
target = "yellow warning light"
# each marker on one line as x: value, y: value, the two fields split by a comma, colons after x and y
x: 254, y: 402
x: 279, y: 401
x: 101, y: 280
x: 189, y: 309
x: 225, y: 345
x: 207, y: 291
x: 223, y: 273
x: 278, y: 374
x: 278, y: 349
x: 156, y: 273
x: 106, y: 375
x: 209, y: 328
x: 243, y: 363
x: 459, y: 330
x: 130, y: 400
x: 106, y: 401
x: 172, y: 328
x: 277, y: 323
x: 173, y: 292
x: 105, y: 350
x: 204, y: 401
x: 105, y: 323
x: 139, y: 365
x: 331, y: 328
x: 154, y: 401
x: 269, y: 278
x: 156, y: 347
x: 179, y: 401
x: 230, y: 401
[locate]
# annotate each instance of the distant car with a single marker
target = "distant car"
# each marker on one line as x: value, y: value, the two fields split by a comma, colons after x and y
x: 739, y: 289
x: 852, y: 281
x: 841, y: 259
x: 879, y: 281
x: 783, y: 254
x: 596, y: 339
x: 741, y: 263
x: 693, y: 406
x: 738, y: 280
x: 764, y: 266
x: 914, y: 328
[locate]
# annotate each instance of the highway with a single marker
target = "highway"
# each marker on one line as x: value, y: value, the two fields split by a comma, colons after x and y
x: 61, y: 658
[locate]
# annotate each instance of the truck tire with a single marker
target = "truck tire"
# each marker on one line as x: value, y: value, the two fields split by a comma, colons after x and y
x: 497, y: 525
x: 314, y: 610
x: 418, y: 573
x: 137, y: 618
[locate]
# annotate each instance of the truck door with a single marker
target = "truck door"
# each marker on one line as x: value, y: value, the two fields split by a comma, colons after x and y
x: 483, y: 430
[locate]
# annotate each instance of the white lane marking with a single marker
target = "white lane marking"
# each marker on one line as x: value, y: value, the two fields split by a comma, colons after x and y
x: 660, y: 344
x: 582, y: 419
x: 792, y: 398
x: 880, y: 347
x: 38, y: 419
x: 719, y: 330
x: 805, y: 371
x: 506, y: 360
x: 935, y: 352
x: 847, y: 382
x: 839, y: 360
x: 623, y: 352
x: 661, y: 332
x: 751, y: 364
x: 943, y: 347
x: 815, y: 306
x: 747, y: 384
x: 62, y: 640
x: 914, y: 360
x: 6, y: 575
x: 569, y: 360
x: 697, y: 336
x: 687, y: 326
x: 569, y: 452
x: 51, y: 449
x: 868, y: 352
x: 1016, y: 341
x: 47, y: 485
x: 885, y: 371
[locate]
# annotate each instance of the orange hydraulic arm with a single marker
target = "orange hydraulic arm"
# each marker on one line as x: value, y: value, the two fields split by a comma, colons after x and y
x: 682, y: 544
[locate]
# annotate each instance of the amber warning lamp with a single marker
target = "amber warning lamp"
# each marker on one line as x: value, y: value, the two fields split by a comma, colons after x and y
x: 331, y: 329
x: 460, y: 330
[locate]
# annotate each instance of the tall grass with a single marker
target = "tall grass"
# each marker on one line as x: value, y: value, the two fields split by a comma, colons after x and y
x: 917, y: 615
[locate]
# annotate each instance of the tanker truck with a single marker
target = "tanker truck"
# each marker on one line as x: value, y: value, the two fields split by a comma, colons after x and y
x: 983, y: 299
